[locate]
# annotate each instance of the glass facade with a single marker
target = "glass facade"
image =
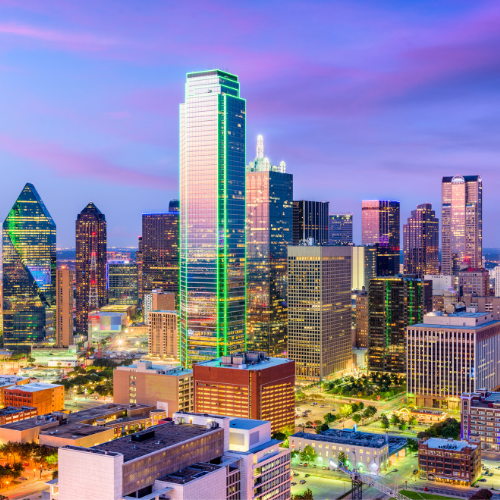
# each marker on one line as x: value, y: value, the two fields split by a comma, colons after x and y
x: 340, y: 229
x: 310, y: 220
x: 269, y: 198
x: 212, y: 207
x: 29, y: 269
x: 122, y: 283
x: 421, y: 242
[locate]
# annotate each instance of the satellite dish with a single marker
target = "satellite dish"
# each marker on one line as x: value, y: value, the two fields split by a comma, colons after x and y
x: 449, y: 309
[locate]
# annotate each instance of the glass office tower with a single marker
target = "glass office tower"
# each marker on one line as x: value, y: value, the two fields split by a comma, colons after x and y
x: 310, y: 220
x: 122, y: 283
x: 29, y: 268
x: 269, y: 196
x: 340, y: 229
x: 212, y: 207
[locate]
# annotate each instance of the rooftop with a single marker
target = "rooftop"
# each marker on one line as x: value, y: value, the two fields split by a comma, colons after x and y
x: 249, y: 360
x: 190, y: 473
x: 74, y: 431
x: 34, y: 387
x: 245, y: 423
x: 448, y: 444
x: 11, y: 410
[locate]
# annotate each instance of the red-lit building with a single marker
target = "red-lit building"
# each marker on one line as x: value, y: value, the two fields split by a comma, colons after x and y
x: 247, y: 385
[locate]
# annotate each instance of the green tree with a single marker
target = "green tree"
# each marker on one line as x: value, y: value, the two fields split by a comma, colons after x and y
x: 308, y: 454
x: 403, y: 426
x: 322, y: 428
x: 361, y: 405
x: 329, y: 418
x: 280, y: 436
x: 385, y: 422
x: 345, y: 410
x: 395, y: 420
x: 357, y: 418
x: 412, y: 445
x: 342, y: 458
x: 413, y: 421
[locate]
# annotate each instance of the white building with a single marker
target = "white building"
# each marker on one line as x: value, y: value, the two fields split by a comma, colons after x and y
x: 440, y: 282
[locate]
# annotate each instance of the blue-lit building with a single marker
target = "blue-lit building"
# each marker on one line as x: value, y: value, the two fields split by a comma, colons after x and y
x: 29, y: 269
x: 269, y: 199
x: 340, y: 229
x: 212, y: 209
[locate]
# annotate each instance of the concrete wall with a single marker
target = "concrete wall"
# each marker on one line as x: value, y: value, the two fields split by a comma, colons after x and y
x: 85, y: 441
x: 25, y: 435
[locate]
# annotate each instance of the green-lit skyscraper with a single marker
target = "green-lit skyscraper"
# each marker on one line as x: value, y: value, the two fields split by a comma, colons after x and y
x: 29, y: 269
x: 212, y: 207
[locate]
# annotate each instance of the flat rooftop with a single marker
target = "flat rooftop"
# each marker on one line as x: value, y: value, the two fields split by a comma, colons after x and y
x: 35, y: 387
x: 249, y: 360
x: 11, y: 410
x: 161, y: 436
x: 445, y: 444
x: 244, y: 423
x: 74, y: 431
x: 190, y: 473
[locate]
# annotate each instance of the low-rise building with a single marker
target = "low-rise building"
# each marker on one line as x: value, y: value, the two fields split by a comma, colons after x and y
x: 11, y: 414
x: 46, y: 398
x: 449, y: 461
x: 475, y: 282
x: 362, y: 450
x: 163, y: 386
x: 9, y: 381
x: 422, y: 416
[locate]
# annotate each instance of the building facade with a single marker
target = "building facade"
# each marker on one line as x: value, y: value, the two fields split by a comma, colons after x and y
x: 394, y: 304
x: 64, y: 307
x: 361, y: 337
x: 461, y: 222
x: 157, y: 300
x: 247, y: 385
x: 364, y: 266
x: 46, y: 398
x: 91, y: 243
x: 475, y: 282
x: 380, y: 226
x: 212, y: 205
x: 163, y: 340
x: 138, y: 261
x: 311, y: 221
x: 421, y: 242
x: 269, y: 200
x: 29, y: 269
x: 319, y: 310
x: 449, y: 354
x: 122, y: 283
x: 340, y: 229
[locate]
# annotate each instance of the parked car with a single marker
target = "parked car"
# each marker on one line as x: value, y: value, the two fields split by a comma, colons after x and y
x: 295, y: 473
x: 322, y: 406
x: 301, y: 464
x: 302, y: 482
x: 426, y: 489
x: 394, y: 470
x: 293, y: 484
x: 305, y: 465
x: 314, y: 465
x: 324, y: 468
x: 483, y: 480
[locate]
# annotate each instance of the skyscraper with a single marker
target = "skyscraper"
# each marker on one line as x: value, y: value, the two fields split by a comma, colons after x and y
x: 319, y: 310
x: 122, y: 282
x: 64, y: 307
x: 364, y: 266
x: 269, y: 198
x: 160, y: 251
x: 340, y: 229
x: 393, y: 304
x: 421, y: 242
x: 29, y: 268
x: 380, y: 226
x: 91, y: 238
x: 212, y: 205
x: 461, y: 222
x: 310, y: 220
x: 138, y: 260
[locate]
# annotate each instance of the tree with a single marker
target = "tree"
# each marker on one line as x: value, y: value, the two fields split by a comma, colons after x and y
x: 395, y: 420
x: 345, y: 410
x: 280, y: 436
x: 372, y: 409
x: 403, y: 425
x: 308, y: 454
x: 482, y: 494
x: 329, y: 418
x: 357, y: 418
x: 322, y: 428
x: 385, y: 422
x: 361, y: 405
x: 413, y: 421
x: 306, y: 495
x: 412, y: 445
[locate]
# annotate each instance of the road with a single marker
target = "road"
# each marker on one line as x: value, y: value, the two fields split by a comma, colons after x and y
x: 31, y: 489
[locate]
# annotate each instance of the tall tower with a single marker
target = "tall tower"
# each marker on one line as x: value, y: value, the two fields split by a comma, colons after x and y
x: 380, y: 226
x: 421, y: 242
x: 64, y: 307
x: 269, y: 197
x: 340, y: 229
x: 91, y: 282
x: 212, y: 206
x: 311, y: 220
x: 29, y: 268
x: 461, y: 223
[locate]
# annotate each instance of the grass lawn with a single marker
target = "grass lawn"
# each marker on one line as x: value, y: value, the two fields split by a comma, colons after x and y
x: 414, y: 495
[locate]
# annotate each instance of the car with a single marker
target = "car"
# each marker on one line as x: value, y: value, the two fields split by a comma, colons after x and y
x: 324, y: 468
x: 302, y: 482
x: 394, y: 470
x: 307, y: 475
x: 305, y: 465
x: 426, y: 489
x: 293, y: 484
x: 314, y: 465
x: 301, y: 464
x: 483, y: 480
x: 322, y: 406
x: 295, y: 473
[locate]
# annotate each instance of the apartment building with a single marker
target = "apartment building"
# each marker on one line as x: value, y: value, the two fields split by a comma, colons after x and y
x: 163, y: 341
x: 157, y: 300
x: 163, y: 386
x: 46, y: 398
x: 9, y: 381
x: 11, y: 414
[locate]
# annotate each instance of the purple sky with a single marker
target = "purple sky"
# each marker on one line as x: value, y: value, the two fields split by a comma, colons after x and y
x: 362, y: 99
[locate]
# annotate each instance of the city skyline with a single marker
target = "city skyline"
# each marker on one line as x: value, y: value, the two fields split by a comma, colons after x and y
x: 396, y: 118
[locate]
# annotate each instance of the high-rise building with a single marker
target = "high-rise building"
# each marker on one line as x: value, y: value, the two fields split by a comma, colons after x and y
x: 340, y: 229
x: 91, y: 246
x: 160, y: 251
x: 269, y: 199
x: 29, y: 269
x: 361, y: 315
x: 247, y: 385
x: 212, y: 207
x: 310, y: 221
x: 64, y: 307
x: 122, y: 283
x: 475, y: 282
x: 319, y: 310
x: 496, y: 274
x: 157, y: 300
x: 449, y: 354
x: 421, y: 242
x: 364, y: 266
x: 394, y: 304
x: 138, y: 260
x: 461, y: 222
x: 163, y: 339
x: 380, y: 226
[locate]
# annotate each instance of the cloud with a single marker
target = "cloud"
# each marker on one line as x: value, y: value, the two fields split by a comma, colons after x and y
x: 84, y: 166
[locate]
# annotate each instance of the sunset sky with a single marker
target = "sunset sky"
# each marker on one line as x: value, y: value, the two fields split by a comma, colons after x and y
x: 362, y: 99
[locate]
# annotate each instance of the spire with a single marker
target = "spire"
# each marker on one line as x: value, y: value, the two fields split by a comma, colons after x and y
x: 260, y: 147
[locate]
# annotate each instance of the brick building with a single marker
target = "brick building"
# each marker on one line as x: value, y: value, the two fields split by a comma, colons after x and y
x: 46, y: 398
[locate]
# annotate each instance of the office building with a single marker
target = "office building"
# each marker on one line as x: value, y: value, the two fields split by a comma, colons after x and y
x: 311, y: 222
x: 394, y: 304
x: 449, y: 354
x: 421, y: 242
x: 487, y: 304
x: 195, y: 457
x: 11, y: 414
x: 64, y: 307
x: 46, y: 398
x: 164, y: 386
x: 340, y: 229
x: 7, y: 381
x: 461, y: 222
x: 91, y: 259
x: 212, y: 207
x: 138, y: 261
x: 163, y: 334
x: 247, y: 385
x: 496, y: 277
x: 29, y: 269
x: 319, y: 310
x: 269, y: 199
x: 160, y: 251
x: 380, y: 226
x: 157, y: 300
x: 449, y: 461
x: 475, y: 282
x: 122, y: 282
x: 364, y: 266
x: 361, y: 315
